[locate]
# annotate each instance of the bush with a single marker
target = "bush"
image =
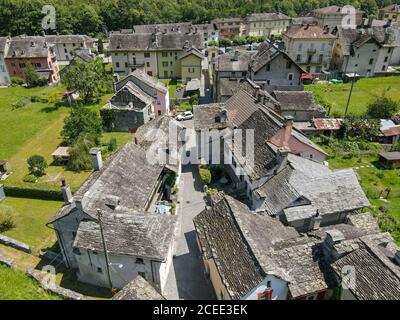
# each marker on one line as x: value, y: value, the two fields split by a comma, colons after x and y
x: 30, y: 178
x: 16, y: 81
x: 205, y: 176
x: 38, y: 192
x: 37, y: 165
x: 112, y: 145
x: 35, y: 99
x: 79, y: 157
x: 382, y: 108
x: 6, y: 218
x: 33, y: 79
x: 194, y: 100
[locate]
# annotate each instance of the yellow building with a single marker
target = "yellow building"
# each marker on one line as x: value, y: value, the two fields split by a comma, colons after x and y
x: 191, y: 61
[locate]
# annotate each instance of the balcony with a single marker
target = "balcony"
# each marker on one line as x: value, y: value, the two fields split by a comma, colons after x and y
x: 136, y: 65
x: 311, y: 51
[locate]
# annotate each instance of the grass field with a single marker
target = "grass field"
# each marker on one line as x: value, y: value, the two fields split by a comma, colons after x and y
x: 35, y: 129
x: 364, y: 91
x: 31, y: 216
x: 15, y: 285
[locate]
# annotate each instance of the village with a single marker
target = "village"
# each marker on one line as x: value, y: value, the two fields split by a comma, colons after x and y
x: 247, y: 158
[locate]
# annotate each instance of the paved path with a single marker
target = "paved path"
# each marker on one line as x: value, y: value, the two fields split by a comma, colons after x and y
x: 186, y: 279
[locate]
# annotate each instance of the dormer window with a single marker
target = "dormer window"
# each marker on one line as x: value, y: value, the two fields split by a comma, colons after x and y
x: 217, y: 119
x: 139, y: 261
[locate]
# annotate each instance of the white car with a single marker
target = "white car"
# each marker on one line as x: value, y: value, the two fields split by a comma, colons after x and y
x: 185, y: 116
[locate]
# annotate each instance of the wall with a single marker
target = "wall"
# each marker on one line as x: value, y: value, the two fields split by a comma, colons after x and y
x: 169, y: 66
x: 219, y: 287
x: 191, y: 68
x: 63, y: 50
x: 4, y: 77
x: 267, y: 27
x: 277, y: 78
x: 124, y: 62
x: 129, y: 120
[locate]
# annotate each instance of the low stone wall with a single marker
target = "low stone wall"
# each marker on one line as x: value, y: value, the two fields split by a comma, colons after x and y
x: 10, y: 242
x: 65, y: 293
x: 8, y: 262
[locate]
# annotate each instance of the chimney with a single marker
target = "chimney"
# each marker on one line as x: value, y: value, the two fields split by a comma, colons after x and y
x: 333, y: 237
x: 96, y: 158
x: 288, y: 126
x: 112, y: 202
x: 387, y: 37
x: 267, y: 294
x: 370, y: 20
x: 282, y: 159
x: 66, y: 192
x: 257, y: 93
x: 316, y: 221
x: 116, y: 80
x: 223, y: 116
x: 78, y: 202
x: 2, y: 193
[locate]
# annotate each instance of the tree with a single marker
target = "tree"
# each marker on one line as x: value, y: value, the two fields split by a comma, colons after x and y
x: 32, y: 77
x: 80, y: 121
x: 89, y: 79
x: 224, y: 43
x: 79, y: 157
x: 238, y: 41
x: 213, y: 43
x: 37, y: 165
x: 382, y: 108
x: 360, y: 127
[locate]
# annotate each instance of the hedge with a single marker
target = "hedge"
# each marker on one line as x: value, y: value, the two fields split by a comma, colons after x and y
x: 32, y: 193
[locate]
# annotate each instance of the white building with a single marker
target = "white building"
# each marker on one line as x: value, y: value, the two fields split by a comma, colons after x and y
x: 266, y: 24
x: 209, y: 31
x: 310, y: 47
x: 65, y: 45
x: 334, y: 16
x: 4, y: 46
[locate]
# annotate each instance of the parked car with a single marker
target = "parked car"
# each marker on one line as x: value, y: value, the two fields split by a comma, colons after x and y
x: 185, y: 116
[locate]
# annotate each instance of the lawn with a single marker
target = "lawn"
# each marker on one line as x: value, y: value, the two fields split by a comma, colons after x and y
x: 172, y: 85
x: 35, y: 129
x: 364, y: 91
x: 30, y: 217
x: 15, y: 285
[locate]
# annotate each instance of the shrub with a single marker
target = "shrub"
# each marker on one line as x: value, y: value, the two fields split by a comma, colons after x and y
x: 37, y: 165
x: 33, y: 79
x: 6, y: 218
x: 35, y: 99
x: 194, y: 100
x: 211, y: 191
x: 38, y: 192
x: 382, y: 108
x: 16, y: 81
x: 112, y: 145
x: 205, y: 176
x: 79, y: 157
x: 30, y: 178
x: 380, y: 175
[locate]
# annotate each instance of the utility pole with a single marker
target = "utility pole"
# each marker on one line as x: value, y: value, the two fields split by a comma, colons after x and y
x: 99, y: 216
x: 351, y: 91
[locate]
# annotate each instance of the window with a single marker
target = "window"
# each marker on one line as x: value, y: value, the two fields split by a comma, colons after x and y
x: 74, y: 45
x: 371, y: 61
x: 290, y: 76
x: 147, y: 54
x: 73, y: 234
x: 22, y: 65
x: 117, y: 64
x: 386, y: 59
x: 142, y: 274
x: 288, y: 64
x: 165, y: 54
x: 323, y: 46
x: 76, y: 251
x: 267, y: 67
x: 191, y: 70
x: 99, y: 270
x: 148, y: 64
x: 139, y: 261
x: 389, y: 50
x: 300, y: 47
x: 170, y: 63
x: 65, y: 50
x: 165, y: 64
x: 383, y: 68
x: 126, y: 64
x: 298, y: 58
x: 268, y: 82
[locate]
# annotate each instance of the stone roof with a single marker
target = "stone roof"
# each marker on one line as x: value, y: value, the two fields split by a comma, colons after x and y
x: 295, y: 100
x: 137, y: 92
x: 154, y: 42
x: 209, y: 27
x: 364, y: 221
x: 139, y: 234
x: 193, y: 51
x: 393, y: 8
x: 205, y: 116
x: 222, y: 20
x: 391, y: 156
x: 227, y: 87
x: 159, y: 135
x: 308, y: 32
x: 139, y: 76
x: 73, y: 38
x: 227, y: 62
x: 29, y: 47
x: 252, y: 246
x: 266, y: 17
x: 163, y: 27
x: 377, y: 277
x: 127, y: 175
x: 138, y: 289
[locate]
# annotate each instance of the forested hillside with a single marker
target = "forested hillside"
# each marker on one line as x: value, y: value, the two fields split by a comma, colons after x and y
x: 99, y: 16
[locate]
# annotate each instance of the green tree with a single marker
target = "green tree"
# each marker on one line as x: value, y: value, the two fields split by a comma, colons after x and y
x: 81, y: 121
x: 238, y: 41
x: 89, y: 79
x: 205, y: 176
x: 79, y: 157
x: 382, y: 108
x: 32, y: 77
x: 224, y: 43
x: 37, y: 165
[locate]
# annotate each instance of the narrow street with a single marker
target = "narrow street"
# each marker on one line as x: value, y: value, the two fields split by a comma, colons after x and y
x: 187, y: 279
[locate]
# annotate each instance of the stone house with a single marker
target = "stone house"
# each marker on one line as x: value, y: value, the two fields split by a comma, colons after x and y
x: 36, y: 51
x: 298, y: 104
x: 230, y: 28
x: 210, y: 32
x: 65, y: 45
x: 122, y: 189
x: 390, y: 12
x: 156, y: 52
x: 365, y: 51
x: 266, y: 24
x: 310, y: 47
x: 4, y: 46
x: 333, y: 16
x: 191, y: 65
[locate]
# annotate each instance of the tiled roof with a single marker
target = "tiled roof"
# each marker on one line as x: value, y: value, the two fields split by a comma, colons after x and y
x: 74, y: 38
x: 140, y: 77
x: 29, y: 47
x: 227, y: 62
x: 205, y: 116
x: 333, y: 10
x: 266, y: 17
x: 295, y: 100
x: 138, y: 289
